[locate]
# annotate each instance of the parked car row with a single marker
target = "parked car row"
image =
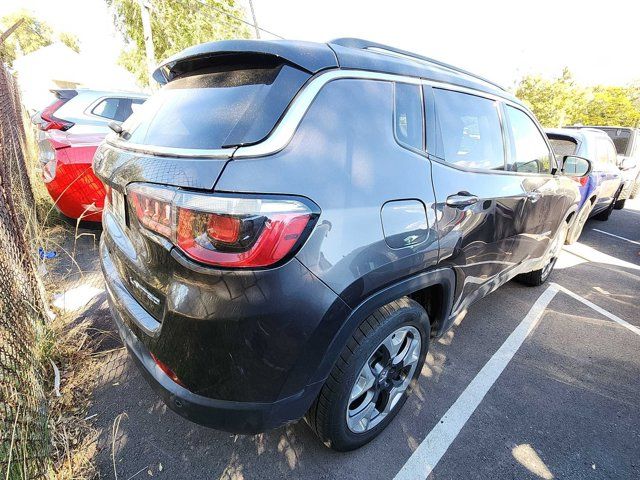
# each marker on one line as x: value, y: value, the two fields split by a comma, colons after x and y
x: 71, y: 129
x: 627, y: 144
x: 600, y: 191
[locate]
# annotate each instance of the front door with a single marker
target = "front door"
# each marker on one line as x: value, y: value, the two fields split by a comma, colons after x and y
x: 531, y: 160
x: 479, y: 204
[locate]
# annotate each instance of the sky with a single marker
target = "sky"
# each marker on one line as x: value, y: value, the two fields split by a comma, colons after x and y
x: 501, y: 40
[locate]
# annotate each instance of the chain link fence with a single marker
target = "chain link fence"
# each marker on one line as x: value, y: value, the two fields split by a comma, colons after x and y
x: 24, y: 439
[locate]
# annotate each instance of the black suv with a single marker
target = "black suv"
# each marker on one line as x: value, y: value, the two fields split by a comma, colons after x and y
x: 288, y: 224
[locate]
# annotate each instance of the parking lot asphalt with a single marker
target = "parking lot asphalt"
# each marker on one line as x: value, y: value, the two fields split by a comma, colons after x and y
x: 533, y: 383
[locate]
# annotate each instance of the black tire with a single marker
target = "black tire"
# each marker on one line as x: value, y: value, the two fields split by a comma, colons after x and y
x: 619, y: 205
x: 605, y: 214
x: 576, y: 229
x: 540, y: 276
x: 537, y: 277
x: 327, y: 415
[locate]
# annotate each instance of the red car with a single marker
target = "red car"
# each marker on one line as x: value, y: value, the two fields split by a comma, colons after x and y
x: 68, y: 175
x: 72, y: 127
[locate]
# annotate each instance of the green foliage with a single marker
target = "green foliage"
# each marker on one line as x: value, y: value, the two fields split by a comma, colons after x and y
x: 70, y: 40
x: 176, y: 25
x: 561, y: 101
x: 31, y: 35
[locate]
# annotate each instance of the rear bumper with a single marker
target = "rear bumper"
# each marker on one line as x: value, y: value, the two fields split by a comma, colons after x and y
x: 77, y: 192
x: 230, y: 415
x: 236, y: 417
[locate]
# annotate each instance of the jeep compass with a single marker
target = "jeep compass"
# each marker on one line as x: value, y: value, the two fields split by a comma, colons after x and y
x: 289, y: 224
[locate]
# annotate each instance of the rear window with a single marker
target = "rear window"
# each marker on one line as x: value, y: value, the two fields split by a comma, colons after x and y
x: 217, y: 108
x: 621, y: 138
x: 563, y: 146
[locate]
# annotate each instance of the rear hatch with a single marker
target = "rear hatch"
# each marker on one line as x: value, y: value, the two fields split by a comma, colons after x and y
x: 622, y: 139
x: 182, y: 137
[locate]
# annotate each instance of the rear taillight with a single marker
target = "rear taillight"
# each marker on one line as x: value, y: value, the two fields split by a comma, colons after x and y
x: 224, y: 230
x: 108, y: 194
x: 51, y: 122
x: 47, y: 158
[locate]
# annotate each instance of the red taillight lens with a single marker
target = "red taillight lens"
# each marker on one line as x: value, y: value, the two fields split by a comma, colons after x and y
x: 153, y: 209
x: 223, y: 230
x: 50, y: 122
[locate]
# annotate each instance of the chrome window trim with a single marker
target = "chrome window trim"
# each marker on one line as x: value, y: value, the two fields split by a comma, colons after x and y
x: 285, y: 129
x: 169, y: 151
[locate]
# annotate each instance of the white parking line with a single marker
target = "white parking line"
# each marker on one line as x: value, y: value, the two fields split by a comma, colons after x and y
x: 425, y: 458
x: 434, y: 446
x: 598, y: 309
x: 617, y: 236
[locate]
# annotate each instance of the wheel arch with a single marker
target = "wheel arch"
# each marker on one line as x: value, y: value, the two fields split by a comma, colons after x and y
x: 417, y: 287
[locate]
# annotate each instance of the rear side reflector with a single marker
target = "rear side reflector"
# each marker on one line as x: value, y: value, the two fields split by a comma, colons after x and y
x: 167, y: 371
x: 233, y: 231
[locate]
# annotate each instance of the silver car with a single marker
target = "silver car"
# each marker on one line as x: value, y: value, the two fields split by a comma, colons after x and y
x: 83, y: 111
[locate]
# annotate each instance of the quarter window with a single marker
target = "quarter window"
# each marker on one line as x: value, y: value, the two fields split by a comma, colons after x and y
x: 470, y: 132
x: 529, y: 151
x: 408, y: 115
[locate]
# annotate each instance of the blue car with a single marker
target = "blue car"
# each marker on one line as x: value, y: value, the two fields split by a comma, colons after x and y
x: 601, y: 188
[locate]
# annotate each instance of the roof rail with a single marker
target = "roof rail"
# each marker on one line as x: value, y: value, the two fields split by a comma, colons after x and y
x: 392, y: 51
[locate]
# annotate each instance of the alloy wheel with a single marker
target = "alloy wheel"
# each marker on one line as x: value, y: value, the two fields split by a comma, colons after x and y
x: 383, y: 379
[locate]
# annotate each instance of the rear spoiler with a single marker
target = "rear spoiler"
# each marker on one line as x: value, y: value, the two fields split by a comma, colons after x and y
x: 64, y: 94
x: 308, y: 56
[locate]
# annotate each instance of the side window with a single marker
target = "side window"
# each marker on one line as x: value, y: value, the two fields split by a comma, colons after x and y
x: 118, y: 109
x: 470, y: 131
x: 408, y: 121
x: 529, y: 151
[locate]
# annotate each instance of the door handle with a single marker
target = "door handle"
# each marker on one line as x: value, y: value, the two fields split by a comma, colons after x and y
x: 534, y: 196
x: 461, y: 200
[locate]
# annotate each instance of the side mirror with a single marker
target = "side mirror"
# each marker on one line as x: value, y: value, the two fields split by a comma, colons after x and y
x: 576, y: 166
x: 628, y: 163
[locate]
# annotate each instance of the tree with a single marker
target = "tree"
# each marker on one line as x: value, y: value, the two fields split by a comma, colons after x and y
x: 560, y: 101
x: 555, y: 102
x: 70, y: 41
x: 176, y: 25
x: 31, y: 35
x: 610, y: 106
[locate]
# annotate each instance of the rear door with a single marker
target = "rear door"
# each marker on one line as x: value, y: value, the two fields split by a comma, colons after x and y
x: 479, y: 204
x: 607, y: 169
